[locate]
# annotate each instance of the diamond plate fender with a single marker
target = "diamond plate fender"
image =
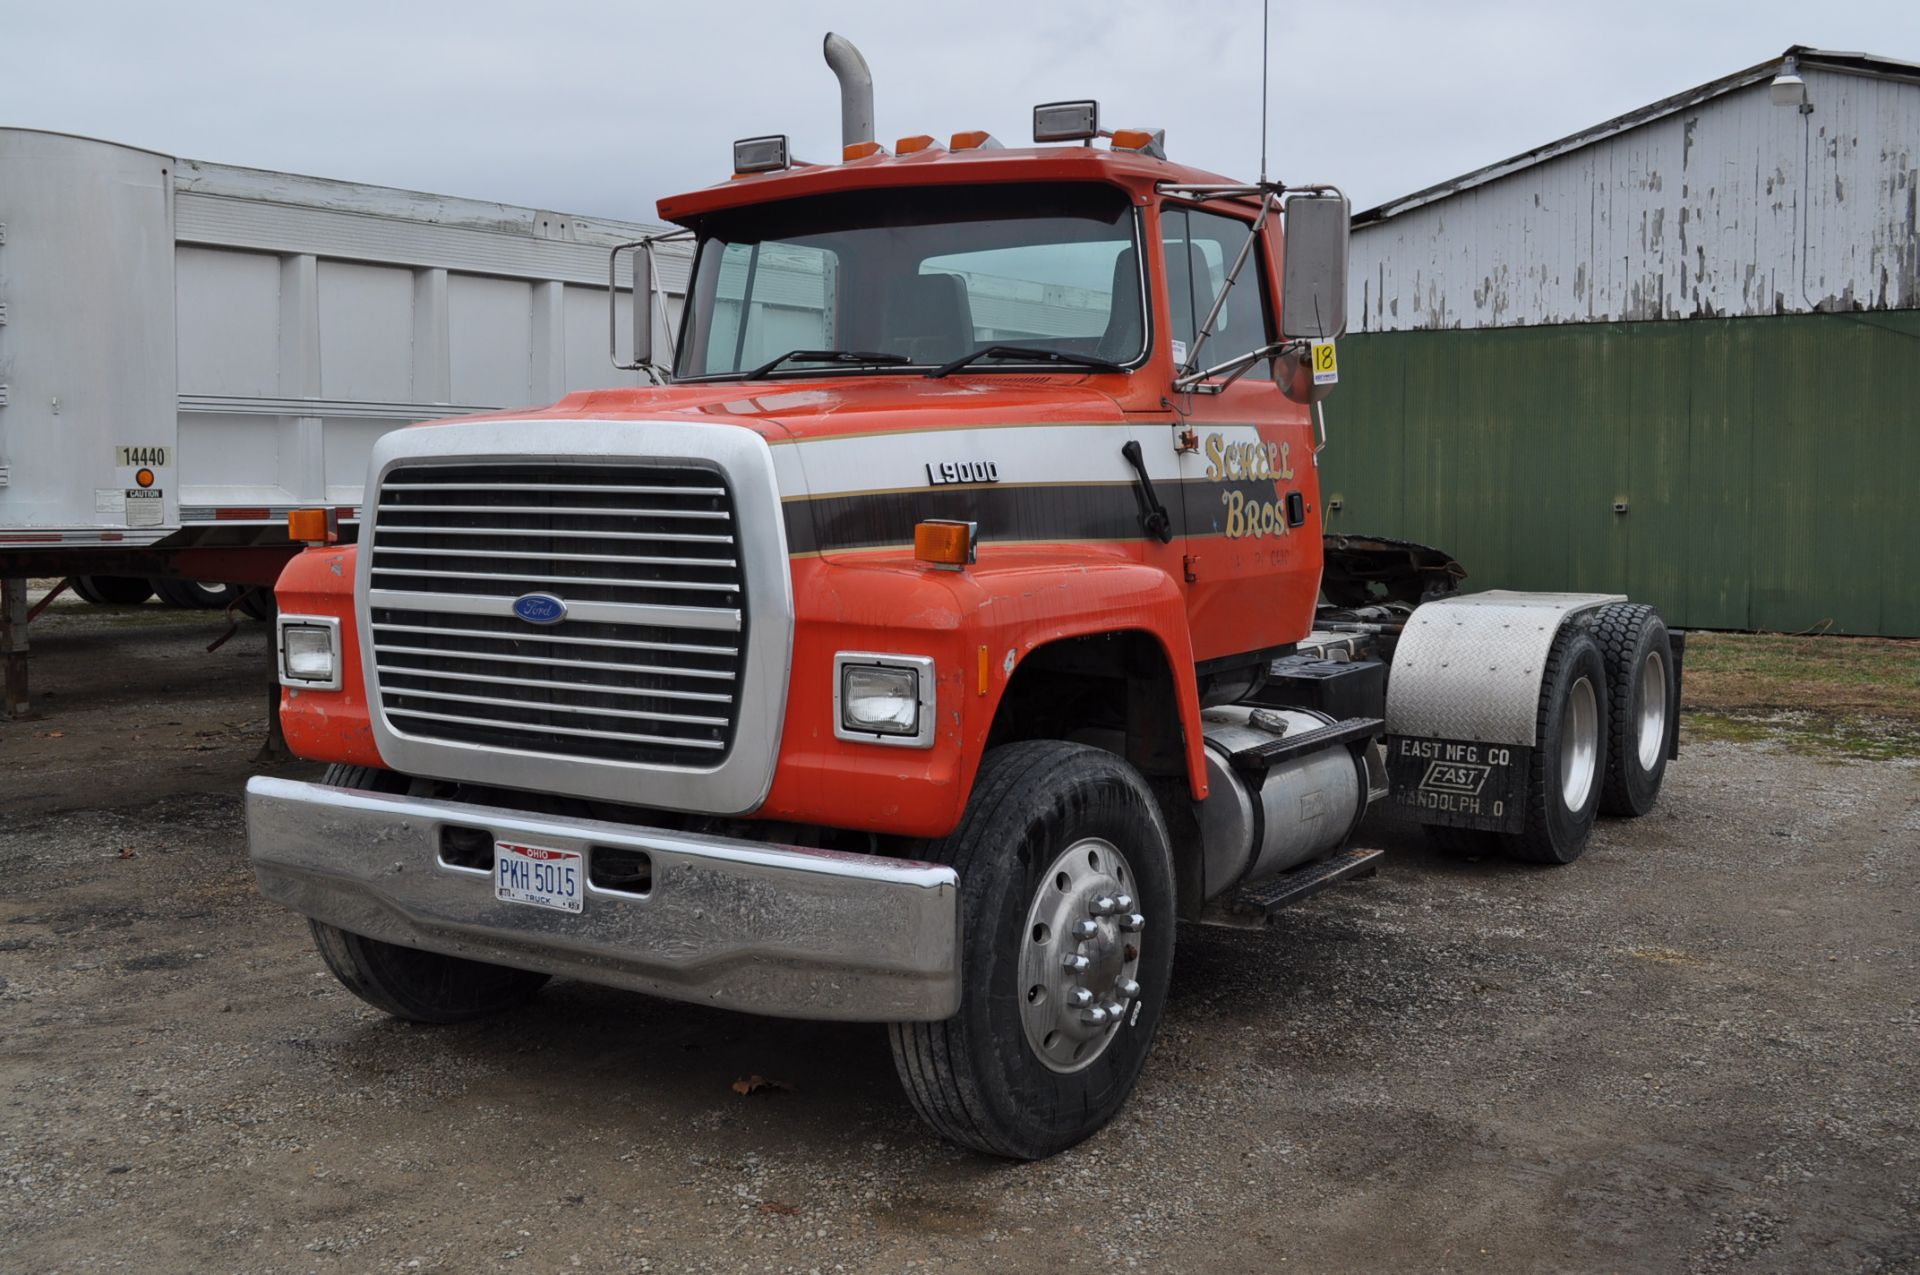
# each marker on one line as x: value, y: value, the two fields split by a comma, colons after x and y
x: 1469, y: 668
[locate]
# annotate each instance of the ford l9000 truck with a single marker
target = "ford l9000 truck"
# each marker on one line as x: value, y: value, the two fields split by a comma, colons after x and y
x: 950, y: 620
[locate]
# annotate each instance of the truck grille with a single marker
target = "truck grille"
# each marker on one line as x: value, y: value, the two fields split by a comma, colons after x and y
x: 646, y: 666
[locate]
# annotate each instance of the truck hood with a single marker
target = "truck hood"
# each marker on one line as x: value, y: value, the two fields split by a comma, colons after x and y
x: 793, y: 411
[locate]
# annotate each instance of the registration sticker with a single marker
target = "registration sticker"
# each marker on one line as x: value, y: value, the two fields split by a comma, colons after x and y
x: 538, y: 876
x: 1326, y: 364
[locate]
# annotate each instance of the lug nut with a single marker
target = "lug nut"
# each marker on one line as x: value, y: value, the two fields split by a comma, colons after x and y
x: 1127, y: 988
x: 1096, y: 1016
x: 1105, y: 905
x: 1123, y: 903
x: 1085, y: 929
x: 1079, y: 998
x: 1076, y: 962
x: 1116, y: 1011
x: 1132, y: 921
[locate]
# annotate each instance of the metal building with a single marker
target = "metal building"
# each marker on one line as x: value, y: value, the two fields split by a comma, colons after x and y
x: 1675, y: 355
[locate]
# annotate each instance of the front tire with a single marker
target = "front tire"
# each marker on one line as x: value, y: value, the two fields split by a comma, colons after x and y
x: 1054, y: 836
x: 407, y: 982
x: 1569, y: 761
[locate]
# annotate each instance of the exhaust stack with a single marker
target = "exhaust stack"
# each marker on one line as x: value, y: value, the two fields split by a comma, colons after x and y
x: 856, y: 89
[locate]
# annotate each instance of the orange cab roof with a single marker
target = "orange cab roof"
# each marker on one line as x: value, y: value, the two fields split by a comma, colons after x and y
x: 1129, y: 169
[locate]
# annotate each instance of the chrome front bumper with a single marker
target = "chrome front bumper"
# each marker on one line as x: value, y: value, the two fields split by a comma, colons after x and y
x: 767, y: 929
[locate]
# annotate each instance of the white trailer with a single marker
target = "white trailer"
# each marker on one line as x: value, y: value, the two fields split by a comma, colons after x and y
x: 188, y: 350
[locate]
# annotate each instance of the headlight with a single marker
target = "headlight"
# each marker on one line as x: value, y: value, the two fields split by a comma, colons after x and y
x: 310, y: 652
x: 884, y: 699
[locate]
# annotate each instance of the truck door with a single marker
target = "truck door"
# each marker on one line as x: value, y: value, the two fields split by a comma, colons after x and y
x: 1248, y: 483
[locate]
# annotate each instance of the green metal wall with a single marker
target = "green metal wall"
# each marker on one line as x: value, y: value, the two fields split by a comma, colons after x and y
x: 1771, y: 465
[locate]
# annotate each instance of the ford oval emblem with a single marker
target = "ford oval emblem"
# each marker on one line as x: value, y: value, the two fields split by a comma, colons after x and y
x: 540, y: 608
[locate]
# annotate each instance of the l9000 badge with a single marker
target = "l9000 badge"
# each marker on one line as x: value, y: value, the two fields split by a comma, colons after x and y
x: 540, y: 608
x: 940, y: 473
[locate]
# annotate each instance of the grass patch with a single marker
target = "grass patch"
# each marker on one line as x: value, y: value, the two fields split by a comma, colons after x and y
x: 1835, y: 737
x: 1745, y: 671
x: 1835, y: 697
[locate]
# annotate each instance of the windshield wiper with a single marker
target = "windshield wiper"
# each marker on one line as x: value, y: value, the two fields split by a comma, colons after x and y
x: 1032, y: 354
x: 864, y: 358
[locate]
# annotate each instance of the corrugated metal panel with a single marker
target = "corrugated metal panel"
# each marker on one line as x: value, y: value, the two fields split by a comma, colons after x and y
x: 1769, y: 466
x: 1733, y: 207
x: 227, y: 207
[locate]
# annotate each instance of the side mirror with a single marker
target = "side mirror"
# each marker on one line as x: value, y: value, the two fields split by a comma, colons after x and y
x: 642, y: 297
x: 1313, y: 274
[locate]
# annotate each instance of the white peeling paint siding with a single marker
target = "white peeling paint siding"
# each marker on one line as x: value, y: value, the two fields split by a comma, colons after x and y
x: 1711, y: 211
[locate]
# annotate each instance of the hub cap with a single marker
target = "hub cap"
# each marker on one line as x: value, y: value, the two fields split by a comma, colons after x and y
x: 1079, y: 954
x: 1579, y: 744
x: 1653, y: 710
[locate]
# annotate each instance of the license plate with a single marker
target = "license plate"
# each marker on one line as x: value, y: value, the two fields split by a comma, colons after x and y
x: 544, y: 878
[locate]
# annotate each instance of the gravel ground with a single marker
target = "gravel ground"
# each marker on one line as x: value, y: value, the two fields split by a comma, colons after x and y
x: 1691, y: 1051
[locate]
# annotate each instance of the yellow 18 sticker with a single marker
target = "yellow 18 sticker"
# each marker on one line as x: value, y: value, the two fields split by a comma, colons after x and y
x: 1326, y: 367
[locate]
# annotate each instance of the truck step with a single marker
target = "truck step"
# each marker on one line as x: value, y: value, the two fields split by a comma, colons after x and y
x: 1255, y: 904
x: 1265, y: 756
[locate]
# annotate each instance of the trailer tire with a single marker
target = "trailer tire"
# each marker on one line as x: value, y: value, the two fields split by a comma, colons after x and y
x: 408, y: 982
x: 112, y: 590
x: 1642, y: 705
x: 980, y: 1078
x: 1569, y: 761
x: 258, y: 602
x: 195, y: 595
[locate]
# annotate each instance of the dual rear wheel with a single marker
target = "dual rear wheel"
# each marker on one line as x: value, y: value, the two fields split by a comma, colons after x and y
x: 1607, y: 712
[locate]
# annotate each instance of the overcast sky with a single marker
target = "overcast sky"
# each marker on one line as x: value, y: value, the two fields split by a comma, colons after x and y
x: 601, y: 108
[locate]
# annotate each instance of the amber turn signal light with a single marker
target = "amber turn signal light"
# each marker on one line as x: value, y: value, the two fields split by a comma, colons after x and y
x: 313, y: 526
x: 939, y: 542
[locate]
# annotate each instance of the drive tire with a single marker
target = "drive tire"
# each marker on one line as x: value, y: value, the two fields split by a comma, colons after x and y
x: 1639, y: 657
x: 408, y: 982
x: 976, y: 1078
x: 194, y: 595
x: 1569, y: 761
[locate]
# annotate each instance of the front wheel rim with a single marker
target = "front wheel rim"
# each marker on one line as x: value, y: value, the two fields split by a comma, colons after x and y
x: 1079, y: 955
x: 1579, y: 744
x: 1653, y: 710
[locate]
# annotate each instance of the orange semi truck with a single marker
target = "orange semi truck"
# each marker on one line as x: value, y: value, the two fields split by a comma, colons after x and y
x: 951, y: 619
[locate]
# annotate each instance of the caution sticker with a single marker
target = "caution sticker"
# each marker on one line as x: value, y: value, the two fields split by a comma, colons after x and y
x: 1326, y: 366
x: 145, y: 507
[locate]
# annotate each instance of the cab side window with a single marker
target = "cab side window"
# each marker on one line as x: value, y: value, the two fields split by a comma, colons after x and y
x: 1199, y: 250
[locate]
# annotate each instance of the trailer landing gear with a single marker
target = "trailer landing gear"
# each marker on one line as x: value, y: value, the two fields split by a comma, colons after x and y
x: 15, y: 703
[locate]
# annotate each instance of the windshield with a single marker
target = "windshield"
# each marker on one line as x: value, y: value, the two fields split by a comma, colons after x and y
x: 921, y: 274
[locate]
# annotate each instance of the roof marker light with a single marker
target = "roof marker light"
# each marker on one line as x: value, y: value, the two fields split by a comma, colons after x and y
x: 761, y: 154
x: 916, y: 144
x: 1066, y: 121
x: 978, y: 139
x: 1146, y: 141
x: 861, y: 150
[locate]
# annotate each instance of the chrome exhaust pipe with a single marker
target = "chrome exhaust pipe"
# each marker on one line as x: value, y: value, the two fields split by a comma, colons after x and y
x: 856, y: 89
